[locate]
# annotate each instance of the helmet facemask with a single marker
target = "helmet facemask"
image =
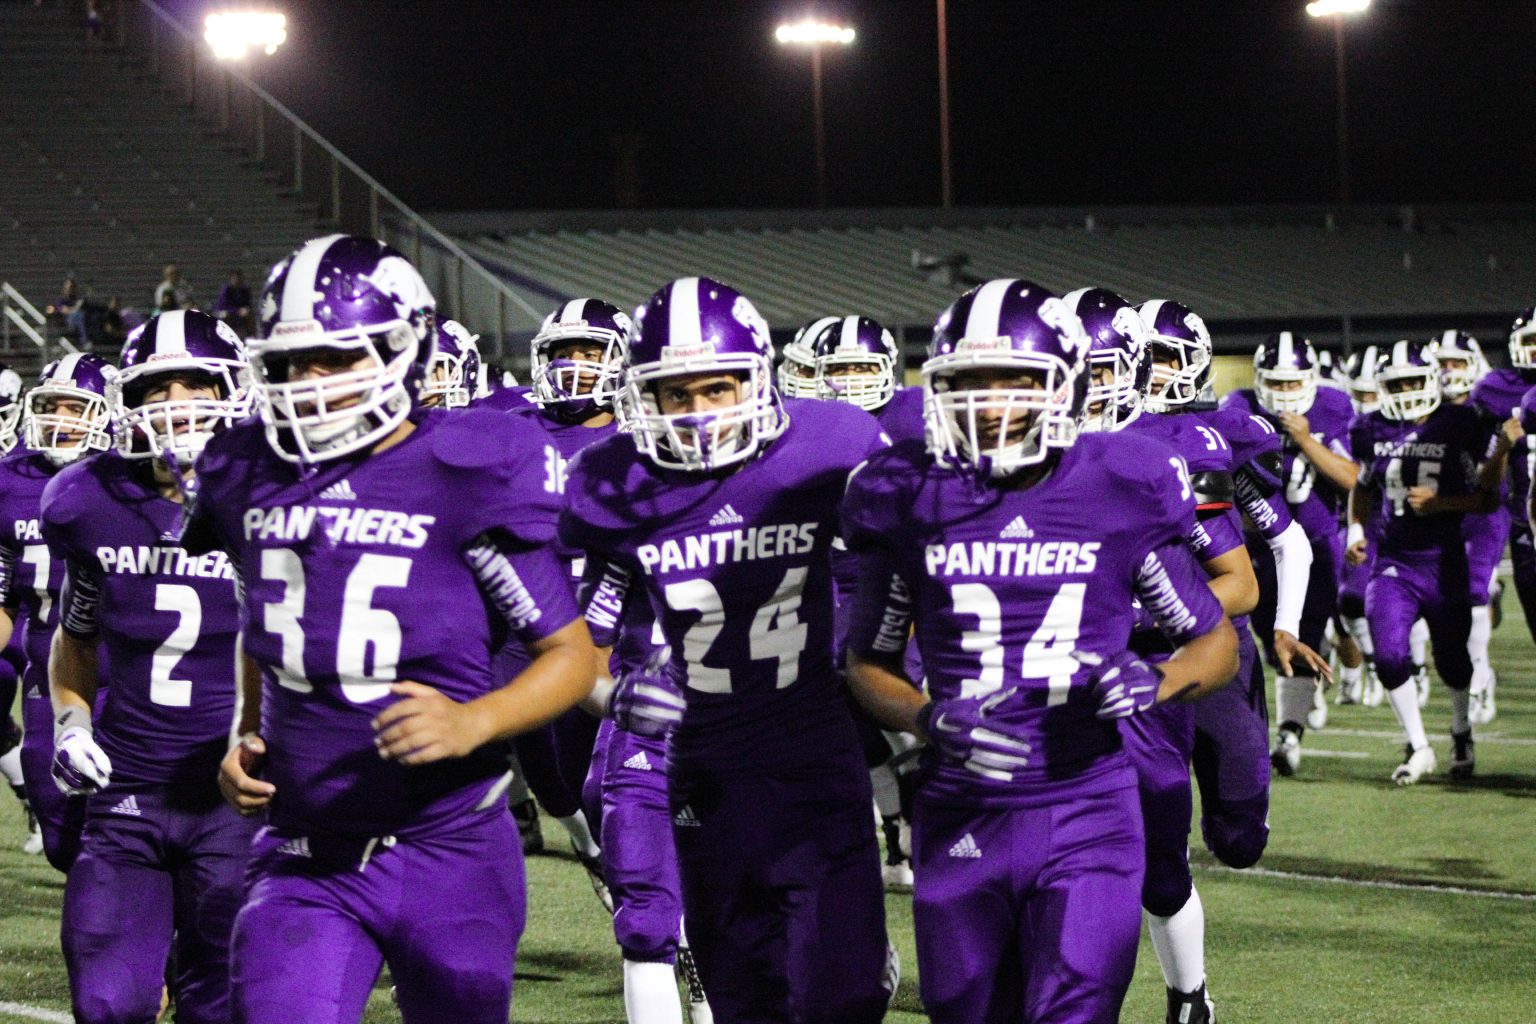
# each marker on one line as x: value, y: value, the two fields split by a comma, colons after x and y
x: 1175, y: 382
x: 65, y: 436
x: 1276, y: 399
x: 869, y: 385
x: 1412, y: 402
x: 1028, y: 410
x: 710, y: 439
x: 797, y: 371
x: 577, y: 388
x: 1115, y: 403
x: 177, y: 429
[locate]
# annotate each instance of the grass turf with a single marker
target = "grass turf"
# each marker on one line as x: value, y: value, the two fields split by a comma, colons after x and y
x: 1278, y: 948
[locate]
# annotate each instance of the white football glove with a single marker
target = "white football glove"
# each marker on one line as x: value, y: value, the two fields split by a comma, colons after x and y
x: 79, y: 765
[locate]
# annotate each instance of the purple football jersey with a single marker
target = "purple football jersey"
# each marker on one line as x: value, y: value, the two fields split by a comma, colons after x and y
x: 902, y: 417
x: 30, y: 578
x: 1005, y: 583
x: 1522, y: 461
x: 518, y: 399
x: 1442, y: 452
x: 1204, y: 450
x: 1498, y: 395
x: 736, y: 566
x: 168, y: 620
x: 409, y: 564
x: 1314, y: 500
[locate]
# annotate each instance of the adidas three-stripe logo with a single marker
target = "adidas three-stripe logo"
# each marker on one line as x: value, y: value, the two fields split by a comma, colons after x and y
x: 1018, y: 528
x: 727, y: 516
x: 686, y: 818
x: 128, y: 805
x: 966, y: 848
x: 639, y: 762
x: 341, y: 490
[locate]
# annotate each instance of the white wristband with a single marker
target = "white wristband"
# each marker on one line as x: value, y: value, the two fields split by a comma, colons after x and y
x: 1356, y: 532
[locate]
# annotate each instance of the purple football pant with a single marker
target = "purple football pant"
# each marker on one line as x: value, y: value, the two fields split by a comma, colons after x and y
x: 1027, y: 914
x: 1231, y: 762
x: 1159, y: 743
x: 1399, y: 594
x: 322, y: 915
x: 61, y: 818
x: 1352, y: 583
x: 1486, y: 536
x: 555, y: 759
x: 639, y: 858
x: 172, y: 860
x: 781, y: 886
x: 1523, y: 554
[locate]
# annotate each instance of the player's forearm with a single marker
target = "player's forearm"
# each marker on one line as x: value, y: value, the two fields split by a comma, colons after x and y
x: 1233, y: 581
x: 7, y: 626
x: 561, y: 674
x: 1362, y: 498
x: 1293, y: 566
x: 885, y: 693
x: 596, y: 702
x: 1490, y: 476
x: 72, y: 672
x: 1341, y: 472
x: 1201, y: 666
x: 248, y: 699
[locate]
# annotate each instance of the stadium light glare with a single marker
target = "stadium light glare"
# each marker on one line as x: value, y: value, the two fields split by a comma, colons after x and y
x: 232, y: 34
x: 814, y: 33
x: 1330, y: 8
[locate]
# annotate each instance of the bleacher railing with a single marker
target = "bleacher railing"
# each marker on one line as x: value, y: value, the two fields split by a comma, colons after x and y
x: 295, y: 155
x: 20, y: 317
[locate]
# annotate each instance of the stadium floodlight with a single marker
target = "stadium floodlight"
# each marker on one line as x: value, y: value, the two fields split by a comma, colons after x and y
x: 814, y: 35
x: 1330, y: 8
x: 232, y: 34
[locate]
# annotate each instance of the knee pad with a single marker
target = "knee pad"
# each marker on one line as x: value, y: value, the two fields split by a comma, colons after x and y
x: 646, y: 937
x: 1167, y: 885
x: 1237, y: 833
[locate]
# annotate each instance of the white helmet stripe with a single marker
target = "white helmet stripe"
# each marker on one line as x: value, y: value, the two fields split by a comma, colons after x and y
x: 850, y: 333
x: 683, y: 327
x: 300, y: 287
x: 1286, y: 355
x: 572, y: 311
x: 66, y: 370
x: 1148, y: 312
x: 1400, y: 353
x: 1448, y: 339
x: 171, y: 332
x: 986, y: 314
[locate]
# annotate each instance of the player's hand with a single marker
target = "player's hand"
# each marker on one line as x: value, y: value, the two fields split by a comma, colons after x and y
x: 1123, y: 684
x: 426, y: 726
x: 645, y: 701
x: 1422, y: 500
x: 1296, y: 426
x: 1512, y: 431
x: 80, y: 767
x: 237, y: 776
x: 1288, y: 650
x: 1356, y: 553
x: 962, y: 729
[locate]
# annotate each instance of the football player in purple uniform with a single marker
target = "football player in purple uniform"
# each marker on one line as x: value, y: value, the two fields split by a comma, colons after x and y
x: 1028, y: 835
x: 66, y: 418
x: 13, y: 659
x: 1317, y: 472
x: 1419, y: 476
x: 797, y: 367
x: 1357, y: 654
x: 453, y: 378
x: 162, y: 852
x: 720, y: 510
x: 372, y: 723
x: 1498, y: 396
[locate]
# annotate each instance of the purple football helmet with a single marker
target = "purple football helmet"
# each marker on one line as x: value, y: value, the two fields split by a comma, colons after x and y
x: 1006, y: 377
x: 53, y: 426
x: 1286, y: 374
x: 573, y: 385
x: 1328, y: 374
x: 1522, y: 341
x: 694, y: 327
x: 1408, y: 380
x: 1462, y: 363
x: 1358, y: 372
x: 1179, y: 347
x: 855, y: 362
x: 10, y: 407
x: 189, y: 345
x: 336, y: 302
x: 797, y: 370
x: 1117, y: 349
x: 453, y: 375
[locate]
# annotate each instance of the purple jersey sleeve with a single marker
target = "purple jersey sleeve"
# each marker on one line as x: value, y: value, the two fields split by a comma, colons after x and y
x: 1173, y: 587
x: 527, y: 586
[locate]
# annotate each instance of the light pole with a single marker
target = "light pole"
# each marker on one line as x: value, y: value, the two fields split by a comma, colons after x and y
x: 816, y: 34
x: 231, y: 34
x: 1335, y: 10
x: 946, y: 175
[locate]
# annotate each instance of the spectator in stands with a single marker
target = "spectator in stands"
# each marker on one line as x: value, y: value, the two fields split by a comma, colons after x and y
x: 113, y: 329
x: 172, y: 293
x: 66, y: 313
x: 233, y: 305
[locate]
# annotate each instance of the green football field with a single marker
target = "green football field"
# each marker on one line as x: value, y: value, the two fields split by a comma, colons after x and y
x: 1373, y: 903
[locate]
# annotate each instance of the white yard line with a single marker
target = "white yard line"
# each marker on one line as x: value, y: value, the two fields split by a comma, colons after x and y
x: 1367, y: 883
x: 35, y: 1013
x: 1394, y: 734
x: 1319, y: 752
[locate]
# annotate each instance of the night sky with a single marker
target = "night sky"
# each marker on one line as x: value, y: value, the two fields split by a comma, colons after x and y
x: 601, y: 104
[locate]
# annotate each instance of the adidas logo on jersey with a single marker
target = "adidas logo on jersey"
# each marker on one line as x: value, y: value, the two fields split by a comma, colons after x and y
x: 639, y: 762
x: 685, y: 818
x: 1390, y: 570
x: 341, y: 490
x: 726, y: 517
x: 298, y: 846
x: 1017, y: 528
x: 966, y: 848
x: 128, y: 805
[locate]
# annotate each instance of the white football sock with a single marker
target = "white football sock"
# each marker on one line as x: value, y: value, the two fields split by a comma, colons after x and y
x: 1461, y: 701
x: 650, y: 994
x: 1418, y: 642
x: 1349, y: 678
x: 10, y: 767
x: 887, y: 792
x: 1180, y: 944
x: 1405, y: 704
x: 1477, y: 646
x: 1360, y: 629
x: 1293, y: 699
x: 581, y: 834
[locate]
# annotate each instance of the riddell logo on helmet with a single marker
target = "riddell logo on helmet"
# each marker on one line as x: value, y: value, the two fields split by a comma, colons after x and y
x: 289, y: 328
x: 160, y: 357
x: 999, y: 343
x: 682, y: 353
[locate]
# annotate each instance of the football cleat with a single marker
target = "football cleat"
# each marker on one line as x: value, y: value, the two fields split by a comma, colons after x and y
x: 1351, y: 691
x: 1286, y: 755
x: 1191, y: 1007
x: 1375, y: 693
x: 1421, y: 682
x: 897, y: 869
x: 1416, y: 764
x: 1483, y: 710
x: 34, y: 843
x: 526, y: 814
x: 594, y: 868
x: 1318, y: 716
x: 1464, y: 756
